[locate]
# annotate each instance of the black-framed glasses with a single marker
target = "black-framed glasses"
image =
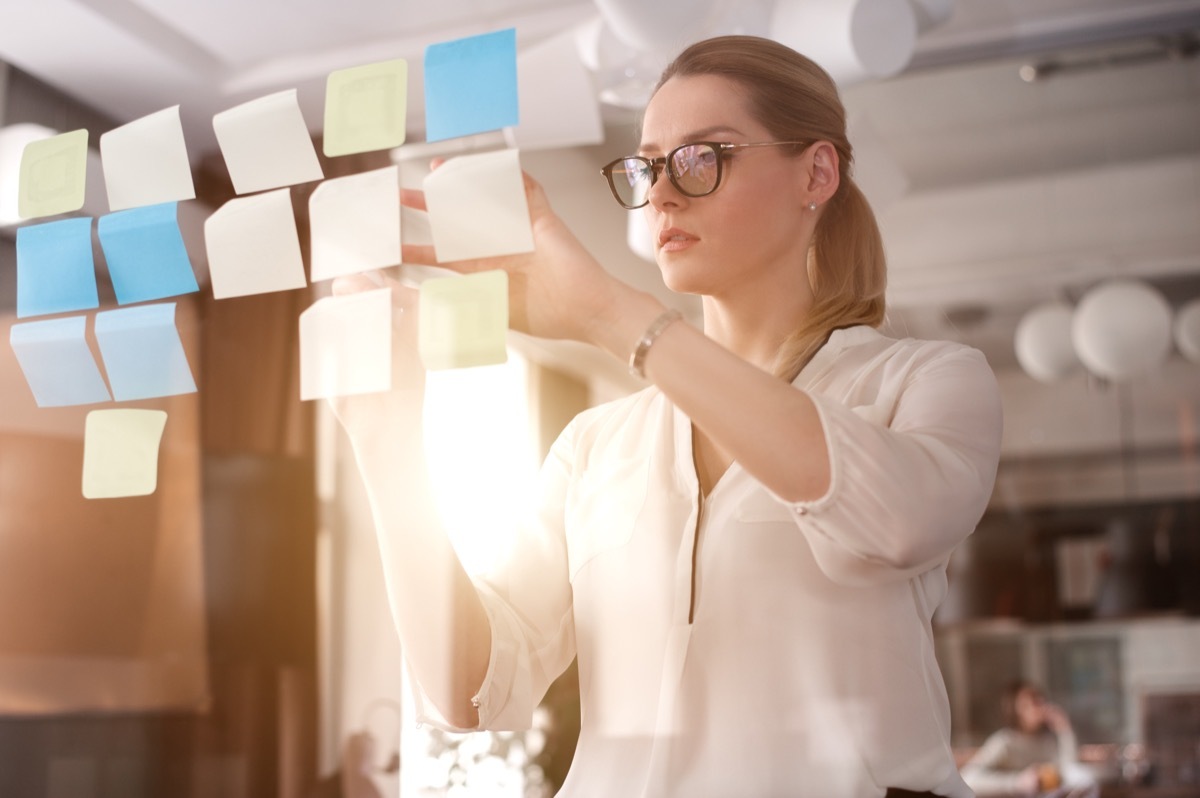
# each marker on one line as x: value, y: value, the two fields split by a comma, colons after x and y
x: 694, y: 169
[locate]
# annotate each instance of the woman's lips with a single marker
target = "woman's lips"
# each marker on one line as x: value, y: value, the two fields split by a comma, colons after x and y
x: 675, y: 240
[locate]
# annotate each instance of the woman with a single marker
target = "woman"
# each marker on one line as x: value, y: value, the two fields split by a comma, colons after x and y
x: 1035, y: 753
x: 745, y: 556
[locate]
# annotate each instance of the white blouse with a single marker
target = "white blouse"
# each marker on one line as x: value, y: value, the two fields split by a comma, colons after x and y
x: 743, y: 645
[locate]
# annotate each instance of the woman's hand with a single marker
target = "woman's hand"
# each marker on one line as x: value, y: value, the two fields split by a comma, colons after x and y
x: 557, y: 291
x: 1055, y: 718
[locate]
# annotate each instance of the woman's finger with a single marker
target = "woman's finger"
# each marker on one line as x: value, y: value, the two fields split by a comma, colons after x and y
x: 413, y: 198
x: 422, y: 254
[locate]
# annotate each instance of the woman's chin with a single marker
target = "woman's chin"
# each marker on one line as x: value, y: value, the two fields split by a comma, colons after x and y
x: 679, y: 279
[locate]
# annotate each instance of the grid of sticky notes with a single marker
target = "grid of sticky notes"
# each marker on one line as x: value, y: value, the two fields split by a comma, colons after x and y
x: 476, y: 209
x: 140, y: 352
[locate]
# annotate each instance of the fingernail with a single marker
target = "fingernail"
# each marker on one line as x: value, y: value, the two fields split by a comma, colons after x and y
x: 375, y: 277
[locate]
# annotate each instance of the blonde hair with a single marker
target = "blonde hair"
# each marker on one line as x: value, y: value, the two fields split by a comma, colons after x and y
x: 796, y: 100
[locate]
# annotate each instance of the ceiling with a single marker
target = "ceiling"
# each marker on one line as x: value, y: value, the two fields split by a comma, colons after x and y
x: 993, y: 192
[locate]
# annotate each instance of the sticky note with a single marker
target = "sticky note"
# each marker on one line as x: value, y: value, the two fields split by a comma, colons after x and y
x: 558, y: 102
x: 346, y: 345
x: 477, y: 207
x: 53, y: 175
x: 253, y: 246
x: 145, y: 253
x: 146, y: 162
x: 463, y: 320
x: 355, y: 223
x: 266, y: 144
x: 57, y: 362
x: 471, y: 85
x: 56, y: 272
x: 142, y: 352
x: 365, y: 108
x: 120, y: 452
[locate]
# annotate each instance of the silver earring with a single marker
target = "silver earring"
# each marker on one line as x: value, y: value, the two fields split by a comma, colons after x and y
x: 812, y: 206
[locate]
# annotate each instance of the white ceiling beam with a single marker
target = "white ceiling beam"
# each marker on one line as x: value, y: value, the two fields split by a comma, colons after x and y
x: 1030, y: 239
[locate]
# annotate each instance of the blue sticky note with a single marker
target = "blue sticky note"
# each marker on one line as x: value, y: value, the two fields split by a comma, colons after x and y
x: 57, y: 362
x: 471, y: 85
x: 56, y: 272
x: 142, y: 352
x: 145, y: 252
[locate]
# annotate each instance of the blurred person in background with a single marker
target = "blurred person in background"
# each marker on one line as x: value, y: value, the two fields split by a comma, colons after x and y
x: 1035, y: 754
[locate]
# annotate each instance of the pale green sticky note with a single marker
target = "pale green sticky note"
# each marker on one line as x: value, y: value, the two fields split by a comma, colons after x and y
x: 53, y: 175
x: 365, y: 108
x: 463, y: 321
x: 120, y: 452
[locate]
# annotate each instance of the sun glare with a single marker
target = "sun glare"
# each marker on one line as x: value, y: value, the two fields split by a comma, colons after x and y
x: 481, y: 455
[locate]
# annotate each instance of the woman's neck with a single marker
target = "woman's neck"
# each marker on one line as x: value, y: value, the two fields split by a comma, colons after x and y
x: 753, y: 331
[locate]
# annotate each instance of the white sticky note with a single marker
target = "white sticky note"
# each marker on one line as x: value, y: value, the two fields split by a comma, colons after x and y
x: 120, y: 452
x: 146, y: 162
x: 346, y: 345
x: 558, y: 101
x: 57, y: 362
x: 253, y: 246
x: 463, y: 320
x: 355, y: 223
x: 266, y: 144
x: 477, y: 207
x: 414, y: 227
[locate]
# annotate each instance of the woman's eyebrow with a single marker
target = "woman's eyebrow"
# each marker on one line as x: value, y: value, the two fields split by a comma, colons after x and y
x: 703, y: 134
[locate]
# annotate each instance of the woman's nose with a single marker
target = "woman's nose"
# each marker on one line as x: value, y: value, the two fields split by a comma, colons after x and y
x: 662, y: 193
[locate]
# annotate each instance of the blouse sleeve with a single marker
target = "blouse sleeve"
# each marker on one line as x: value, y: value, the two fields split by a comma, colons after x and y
x: 528, y: 605
x: 905, y: 490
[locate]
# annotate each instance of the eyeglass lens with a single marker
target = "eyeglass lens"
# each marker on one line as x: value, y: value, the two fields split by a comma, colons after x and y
x: 692, y: 168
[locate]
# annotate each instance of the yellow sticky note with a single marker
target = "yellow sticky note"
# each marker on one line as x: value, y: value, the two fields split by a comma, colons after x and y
x: 463, y: 321
x: 120, y: 452
x: 365, y: 108
x: 53, y: 175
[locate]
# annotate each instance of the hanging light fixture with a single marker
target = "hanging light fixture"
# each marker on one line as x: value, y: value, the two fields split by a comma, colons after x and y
x: 853, y: 40
x: 1122, y: 328
x: 629, y: 42
x: 1187, y: 330
x: 1043, y: 342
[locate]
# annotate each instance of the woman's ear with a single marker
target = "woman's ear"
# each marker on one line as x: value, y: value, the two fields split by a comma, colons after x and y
x: 823, y: 173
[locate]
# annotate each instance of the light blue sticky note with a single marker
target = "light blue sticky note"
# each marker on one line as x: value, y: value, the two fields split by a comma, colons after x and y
x: 56, y: 272
x: 471, y: 85
x: 142, y: 352
x: 145, y: 253
x: 57, y: 362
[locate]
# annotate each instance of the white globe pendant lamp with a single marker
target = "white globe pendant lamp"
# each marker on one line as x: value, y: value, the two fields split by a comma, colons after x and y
x: 1043, y: 342
x: 1122, y: 328
x: 1187, y: 330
